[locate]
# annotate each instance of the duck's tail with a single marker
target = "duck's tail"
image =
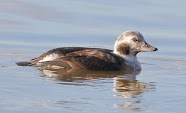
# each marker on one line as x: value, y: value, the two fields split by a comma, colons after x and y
x: 24, y: 63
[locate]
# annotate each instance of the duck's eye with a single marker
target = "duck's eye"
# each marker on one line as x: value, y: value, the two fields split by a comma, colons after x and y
x: 135, y: 39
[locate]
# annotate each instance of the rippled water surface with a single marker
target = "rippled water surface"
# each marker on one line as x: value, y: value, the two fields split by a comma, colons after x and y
x: 30, y: 28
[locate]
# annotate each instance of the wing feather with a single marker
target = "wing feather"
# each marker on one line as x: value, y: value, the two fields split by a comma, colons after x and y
x: 90, y: 62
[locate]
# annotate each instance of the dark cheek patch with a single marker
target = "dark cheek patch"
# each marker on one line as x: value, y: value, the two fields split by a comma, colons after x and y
x: 124, y: 49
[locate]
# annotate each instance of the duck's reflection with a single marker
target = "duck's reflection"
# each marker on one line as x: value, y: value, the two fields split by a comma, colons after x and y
x: 130, y: 88
x: 125, y: 83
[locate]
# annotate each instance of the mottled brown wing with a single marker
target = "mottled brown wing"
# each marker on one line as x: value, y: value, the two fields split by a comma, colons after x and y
x: 97, y: 53
x: 93, y: 59
x: 90, y: 62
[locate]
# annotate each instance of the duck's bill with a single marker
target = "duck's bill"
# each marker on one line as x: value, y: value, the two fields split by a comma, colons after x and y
x: 148, y: 48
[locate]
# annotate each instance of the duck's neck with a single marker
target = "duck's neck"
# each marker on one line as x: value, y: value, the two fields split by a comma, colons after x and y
x: 130, y: 59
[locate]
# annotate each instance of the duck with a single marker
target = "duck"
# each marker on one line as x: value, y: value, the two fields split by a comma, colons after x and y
x: 123, y: 57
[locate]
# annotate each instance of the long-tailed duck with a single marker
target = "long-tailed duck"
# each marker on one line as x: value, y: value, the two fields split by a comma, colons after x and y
x: 123, y: 57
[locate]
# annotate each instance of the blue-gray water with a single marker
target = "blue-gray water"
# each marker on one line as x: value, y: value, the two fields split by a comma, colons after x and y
x: 30, y: 28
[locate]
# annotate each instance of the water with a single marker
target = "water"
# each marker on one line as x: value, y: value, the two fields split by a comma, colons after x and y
x: 30, y: 28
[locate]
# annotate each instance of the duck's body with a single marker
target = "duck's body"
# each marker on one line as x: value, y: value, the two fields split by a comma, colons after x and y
x: 123, y: 57
x: 83, y: 58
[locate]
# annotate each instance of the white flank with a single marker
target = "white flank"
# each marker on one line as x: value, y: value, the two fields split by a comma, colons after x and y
x: 50, y: 57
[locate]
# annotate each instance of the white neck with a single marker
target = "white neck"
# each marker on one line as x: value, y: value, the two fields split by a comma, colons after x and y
x: 131, y: 59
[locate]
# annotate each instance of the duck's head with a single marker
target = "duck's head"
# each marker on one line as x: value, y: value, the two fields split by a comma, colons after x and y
x: 131, y: 43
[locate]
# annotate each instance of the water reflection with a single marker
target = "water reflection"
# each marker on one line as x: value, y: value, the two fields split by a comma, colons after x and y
x: 130, y: 88
x: 125, y: 84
